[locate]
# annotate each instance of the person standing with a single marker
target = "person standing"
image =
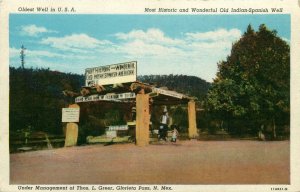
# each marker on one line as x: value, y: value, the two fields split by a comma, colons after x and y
x: 174, y: 134
x: 164, y: 123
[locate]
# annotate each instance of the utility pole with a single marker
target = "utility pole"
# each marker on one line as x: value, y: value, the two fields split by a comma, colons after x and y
x: 22, y: 56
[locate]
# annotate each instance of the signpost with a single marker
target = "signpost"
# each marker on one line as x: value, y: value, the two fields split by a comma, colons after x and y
x: 71, y: 116
x: 111, y: 74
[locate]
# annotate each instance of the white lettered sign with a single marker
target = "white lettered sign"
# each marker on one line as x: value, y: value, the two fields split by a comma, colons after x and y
x: 70, y: 115
x: 111, y: 74
x: 167, y: 92
x: 107, y: 97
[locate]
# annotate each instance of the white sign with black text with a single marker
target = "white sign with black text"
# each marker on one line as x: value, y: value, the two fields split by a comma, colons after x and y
x: 167, y: 92
x: 107, y: 97
x: 111, y: 74
x: 70, y: 115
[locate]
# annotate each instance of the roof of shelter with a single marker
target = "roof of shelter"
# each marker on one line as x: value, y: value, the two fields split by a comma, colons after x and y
x: 126, y: 92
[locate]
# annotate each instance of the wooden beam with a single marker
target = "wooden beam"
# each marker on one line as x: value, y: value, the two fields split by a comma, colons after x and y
x: 85, y: 91
x: 142, y: 119
x: 137, y: 86
x: 192, y: 119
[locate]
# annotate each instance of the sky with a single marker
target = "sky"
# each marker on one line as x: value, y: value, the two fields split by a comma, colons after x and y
x: 161, y: 44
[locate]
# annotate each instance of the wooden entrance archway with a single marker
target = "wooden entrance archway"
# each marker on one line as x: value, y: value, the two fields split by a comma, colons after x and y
x: 141, y: 94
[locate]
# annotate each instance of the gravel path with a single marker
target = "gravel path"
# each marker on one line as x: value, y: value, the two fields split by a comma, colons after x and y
x: 186, y: 162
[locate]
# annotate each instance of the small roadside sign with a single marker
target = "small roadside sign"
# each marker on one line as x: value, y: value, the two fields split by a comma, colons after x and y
x: 70, y: 115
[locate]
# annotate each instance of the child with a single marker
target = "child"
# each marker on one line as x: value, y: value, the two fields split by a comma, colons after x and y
x: 174, y: 134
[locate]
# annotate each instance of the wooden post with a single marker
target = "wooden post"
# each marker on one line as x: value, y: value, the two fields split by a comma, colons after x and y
x: 192, y: 119
x: 71, y: 131
x: 142, y: 120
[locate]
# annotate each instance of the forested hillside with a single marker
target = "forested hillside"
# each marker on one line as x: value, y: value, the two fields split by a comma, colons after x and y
x: 36, y: 96
x: 190, y: 85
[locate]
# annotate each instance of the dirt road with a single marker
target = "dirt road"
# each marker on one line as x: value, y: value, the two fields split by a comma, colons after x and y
x: 187, y: 162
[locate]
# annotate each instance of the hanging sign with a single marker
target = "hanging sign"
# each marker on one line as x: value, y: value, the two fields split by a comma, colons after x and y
x: 111, y: 74
x: 107, y: 97
x: 167, y: 92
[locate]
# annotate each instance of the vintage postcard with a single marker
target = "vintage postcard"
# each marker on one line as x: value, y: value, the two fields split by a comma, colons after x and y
x: 160, y: 95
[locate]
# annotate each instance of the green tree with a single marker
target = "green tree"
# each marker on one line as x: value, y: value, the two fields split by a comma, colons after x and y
x: 36, y: 98
x: 253, y: 83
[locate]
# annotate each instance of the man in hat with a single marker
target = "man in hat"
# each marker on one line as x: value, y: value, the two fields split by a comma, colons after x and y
x: 164, y: 124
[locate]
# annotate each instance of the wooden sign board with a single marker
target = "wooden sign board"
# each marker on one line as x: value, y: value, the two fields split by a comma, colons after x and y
x: 70, y: 115
x: 111, y: 74
x: 117, y: 127
x: 167, y: 92
x: 107, y: 97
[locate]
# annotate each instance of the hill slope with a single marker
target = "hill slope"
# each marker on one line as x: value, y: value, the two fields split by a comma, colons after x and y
x: 36, y: 98
x: 190, y: 85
